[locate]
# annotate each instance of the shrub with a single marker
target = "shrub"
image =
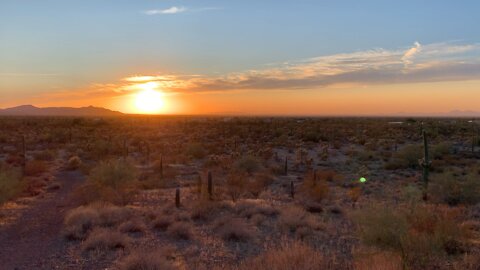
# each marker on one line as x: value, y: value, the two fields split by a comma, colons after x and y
x: 181, y: 230
x: 292, y: 255
x: 453, y: 190
x: 132, y: 226
x: 440, y: 150
x: 260, y: 182
x: 248, y: 164
x: 316, y: 189
x: 407, y: 157
x: 111, y: 181
x: 10, y: 183
x: 79, y: 221
x: 114, y: 174
x: 234, y: 229
x: 195, y: 150
x: 420, y: 235
x: 46, y: 155
x: 381, y: 227
x: 294, y: 218
x: 35, y: 167
x: 236, y: 183
x: 250, y: 208
x: 378, y: 261
x: 105, y: 239
x: 154, y: 260
x: 162, y: 222
x: 74, y: 163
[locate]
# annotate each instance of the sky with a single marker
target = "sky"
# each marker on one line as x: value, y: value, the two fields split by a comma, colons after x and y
x: 249, y: 57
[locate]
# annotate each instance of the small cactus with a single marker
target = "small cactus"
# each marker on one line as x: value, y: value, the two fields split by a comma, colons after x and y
x: 292, y: 190
x: 161, y: 166
x: 199, y: 185
x: 210, y: 185
x: 24, y: 154
x: 425, y: 164
x: 177, y: 197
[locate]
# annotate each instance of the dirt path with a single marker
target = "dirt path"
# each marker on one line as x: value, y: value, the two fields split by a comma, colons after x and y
x: 35, y: 241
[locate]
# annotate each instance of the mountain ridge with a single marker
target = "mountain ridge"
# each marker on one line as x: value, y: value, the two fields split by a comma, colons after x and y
x: 31, y: 110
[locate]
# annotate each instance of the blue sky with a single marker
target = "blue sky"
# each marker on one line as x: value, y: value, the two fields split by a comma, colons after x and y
x: 68, y: 44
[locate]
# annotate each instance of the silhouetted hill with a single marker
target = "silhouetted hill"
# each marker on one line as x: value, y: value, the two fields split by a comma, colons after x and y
x: 58, y: 111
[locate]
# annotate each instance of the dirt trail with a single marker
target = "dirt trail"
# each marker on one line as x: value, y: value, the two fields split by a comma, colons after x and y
x: 35, y: 241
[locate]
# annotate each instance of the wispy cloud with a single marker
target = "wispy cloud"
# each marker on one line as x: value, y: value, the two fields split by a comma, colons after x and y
x: 171, y: 10
x: 176, y: 10
x: 418, y: 63
x: 409, y: 54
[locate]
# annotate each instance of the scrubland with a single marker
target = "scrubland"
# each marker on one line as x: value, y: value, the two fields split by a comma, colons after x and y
x: 251, y: 193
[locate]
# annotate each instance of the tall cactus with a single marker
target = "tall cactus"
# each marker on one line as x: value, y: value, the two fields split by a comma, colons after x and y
x: 425, y: 163
x: 177, y: 197
x: 161, y: 167
x: 292, y: 190
x: 24, y: 154
x: 210, y: 186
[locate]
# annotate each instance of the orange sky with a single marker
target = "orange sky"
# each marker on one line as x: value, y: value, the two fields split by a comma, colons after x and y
x: 390, y: 99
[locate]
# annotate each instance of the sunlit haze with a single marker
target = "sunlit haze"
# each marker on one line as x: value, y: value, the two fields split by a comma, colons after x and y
x: 242, y: 57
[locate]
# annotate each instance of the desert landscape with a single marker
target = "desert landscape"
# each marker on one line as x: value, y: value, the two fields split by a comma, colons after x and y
x: 239, y: 135
x: 239, y: 193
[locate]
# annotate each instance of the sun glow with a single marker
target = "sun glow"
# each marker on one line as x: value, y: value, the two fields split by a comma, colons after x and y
x: 149, y: 100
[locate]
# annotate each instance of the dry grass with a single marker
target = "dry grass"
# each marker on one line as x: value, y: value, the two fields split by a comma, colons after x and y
x: 79, y: 221
x: 292, y: 255
x: 35, y: 167
x: 296, y: 220
x: 105, y: 239
x: 378, y: 261
x: 423, y: 235
x: 234, y: 229
x: 153, y: 260
x: 74, y: 163
x: 162, y: 222
x: 132, y: 226
x: 10, y: 183
x: 181, y: 230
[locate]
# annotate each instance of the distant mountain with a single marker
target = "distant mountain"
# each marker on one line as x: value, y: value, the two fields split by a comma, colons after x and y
x: 454, y: 113
x: 460, y: 113
x: 58, y: 111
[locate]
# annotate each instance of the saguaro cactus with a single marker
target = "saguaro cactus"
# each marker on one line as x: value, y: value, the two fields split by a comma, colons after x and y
x: 292, y: 190
x: 210, y: 185
x: 125, y: 149
x: 161, y: 166
x: 177, y: 197
x: 425, y: 163
x: 24, y: 154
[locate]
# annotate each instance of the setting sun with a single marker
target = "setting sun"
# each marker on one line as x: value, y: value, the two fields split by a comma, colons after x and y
x: 148, y: 100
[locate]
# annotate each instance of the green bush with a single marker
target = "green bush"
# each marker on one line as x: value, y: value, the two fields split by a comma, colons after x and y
x: 420, y: 234
x: 406, y: 157
x: 10, y: 183
x: 454, y: 190
x: 195, y: 150
x: 113, y: 173
x: 248, y: 164
x: 113, y: 181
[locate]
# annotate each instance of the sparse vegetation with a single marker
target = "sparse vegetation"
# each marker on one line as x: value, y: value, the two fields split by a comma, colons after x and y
x: 10, y: 183
x: 116, y: 180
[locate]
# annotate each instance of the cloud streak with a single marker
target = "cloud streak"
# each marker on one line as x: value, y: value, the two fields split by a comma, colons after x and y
x: 177, y: 10
x: 418, y: 63
x: 171, y: 10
